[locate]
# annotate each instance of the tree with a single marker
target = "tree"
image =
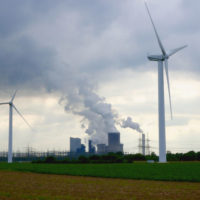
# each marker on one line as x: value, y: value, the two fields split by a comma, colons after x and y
x: 189, y: 156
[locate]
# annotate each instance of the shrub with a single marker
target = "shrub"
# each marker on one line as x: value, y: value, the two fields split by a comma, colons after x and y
x: 83, y: 159
x: 50, y: 159
x: 128, y: 158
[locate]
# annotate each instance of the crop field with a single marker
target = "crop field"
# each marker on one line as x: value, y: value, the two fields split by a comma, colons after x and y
x: 178, y: 171
x: 32, y: 186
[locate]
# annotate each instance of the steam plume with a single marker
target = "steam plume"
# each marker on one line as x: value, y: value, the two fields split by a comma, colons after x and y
x: 98, y: 117
x: 128, y: 123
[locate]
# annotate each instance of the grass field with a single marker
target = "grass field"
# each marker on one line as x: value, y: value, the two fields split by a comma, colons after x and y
x: 180, y: 171
x: 32, y: 186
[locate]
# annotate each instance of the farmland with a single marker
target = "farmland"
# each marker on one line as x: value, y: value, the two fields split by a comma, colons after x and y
x: 32, y: 186
x: 177, y: 171
x: 27, y: 181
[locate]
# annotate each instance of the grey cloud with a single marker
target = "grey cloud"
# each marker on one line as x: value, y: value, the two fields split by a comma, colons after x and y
x: 190, y: 11
x: 110, y: 34
x: 105, y: 35
x: 24, y: 63
x: 97, y: 35
x: 15, y: 16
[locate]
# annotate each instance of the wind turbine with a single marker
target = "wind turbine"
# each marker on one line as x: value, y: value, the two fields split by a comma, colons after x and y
x: 163, y: 57
x: 10, y: 139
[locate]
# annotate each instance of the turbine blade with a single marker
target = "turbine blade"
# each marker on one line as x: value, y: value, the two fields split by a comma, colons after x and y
x: 173, y: 51
x: 167, y: 75
x: 13, y: 96
x: 4, y: 103
x: 154, y: 27
x: 21, y: 116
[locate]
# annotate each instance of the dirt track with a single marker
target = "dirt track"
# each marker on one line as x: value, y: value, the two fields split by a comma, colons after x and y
x: 25, y: 186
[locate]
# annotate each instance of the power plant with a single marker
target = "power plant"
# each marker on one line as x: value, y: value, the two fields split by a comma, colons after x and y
x: 91, y: 148
x: 113, y: 144
x: 101, y: 148
x: 76, y: 146
x: 75, y: 143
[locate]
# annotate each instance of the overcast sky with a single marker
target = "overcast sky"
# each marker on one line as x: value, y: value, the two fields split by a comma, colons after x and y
x: 81, y: 66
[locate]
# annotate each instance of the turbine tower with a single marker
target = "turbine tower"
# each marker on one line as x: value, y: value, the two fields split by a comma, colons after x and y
x: 163, y: 57
x: 10, y: 139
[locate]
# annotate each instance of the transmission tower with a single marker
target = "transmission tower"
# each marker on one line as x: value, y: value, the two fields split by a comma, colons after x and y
x: 147, y: 145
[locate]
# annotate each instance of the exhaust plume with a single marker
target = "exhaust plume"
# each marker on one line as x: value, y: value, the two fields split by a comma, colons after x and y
x: 128, y: 123
x: 98, y: 118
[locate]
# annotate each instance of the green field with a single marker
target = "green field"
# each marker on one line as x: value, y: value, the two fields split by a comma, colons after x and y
x: 177, y: 171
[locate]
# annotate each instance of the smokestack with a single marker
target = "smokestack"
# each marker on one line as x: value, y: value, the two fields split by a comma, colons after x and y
x: 91, y: 148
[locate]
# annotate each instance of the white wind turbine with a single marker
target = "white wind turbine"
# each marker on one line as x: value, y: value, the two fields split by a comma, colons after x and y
x: 161, y: 106
x: 10, y: 139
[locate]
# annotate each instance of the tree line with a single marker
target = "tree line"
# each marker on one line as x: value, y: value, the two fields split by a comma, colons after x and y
x: 122, y: 158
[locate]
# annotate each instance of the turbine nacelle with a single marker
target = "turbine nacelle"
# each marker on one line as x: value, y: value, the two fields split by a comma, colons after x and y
x: 157, y: 57
x: 163, y: 57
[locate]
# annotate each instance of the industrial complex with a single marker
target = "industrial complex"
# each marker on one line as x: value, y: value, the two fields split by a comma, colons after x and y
x: 114, y: 145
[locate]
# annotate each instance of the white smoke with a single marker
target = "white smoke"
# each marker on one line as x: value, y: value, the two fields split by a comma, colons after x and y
x: 98, y: 117
x: 128, y: 123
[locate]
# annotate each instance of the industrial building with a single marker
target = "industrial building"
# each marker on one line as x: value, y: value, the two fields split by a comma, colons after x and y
x: 91, y: 148
x: 76, y: 146
x: 81, y: 149
x: 113, y: 144
x: 75, y: 143
x: 101, y: 148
